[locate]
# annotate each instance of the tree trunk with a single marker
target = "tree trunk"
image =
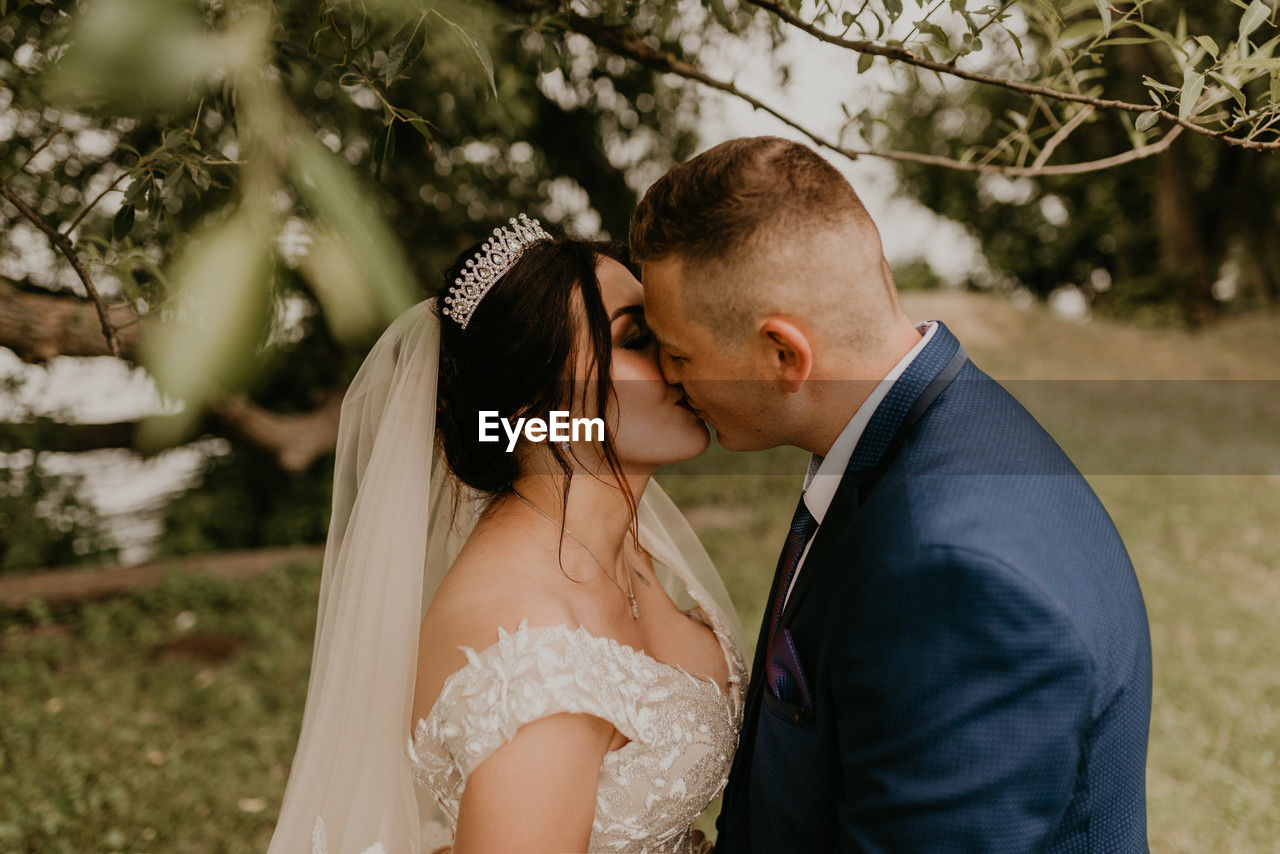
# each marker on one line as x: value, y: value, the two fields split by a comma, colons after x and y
x: 1176, y: 209
x: 1182, y: 246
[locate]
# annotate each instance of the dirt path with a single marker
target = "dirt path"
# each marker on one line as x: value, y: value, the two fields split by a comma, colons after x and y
x: 77, y: 583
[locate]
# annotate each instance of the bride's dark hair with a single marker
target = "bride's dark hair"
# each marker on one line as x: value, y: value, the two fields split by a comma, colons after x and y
x: 517, y: 355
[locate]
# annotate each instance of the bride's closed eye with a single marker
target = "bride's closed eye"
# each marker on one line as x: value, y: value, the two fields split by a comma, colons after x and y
x: 636, y: 334
x: 638, y: 337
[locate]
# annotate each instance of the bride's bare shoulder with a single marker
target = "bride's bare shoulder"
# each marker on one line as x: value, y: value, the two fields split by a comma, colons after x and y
x: 496, y: 582
x: 471, y: 614
x: 499, y: 579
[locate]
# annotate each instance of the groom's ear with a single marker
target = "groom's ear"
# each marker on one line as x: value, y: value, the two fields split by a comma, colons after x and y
x: 788, y: 353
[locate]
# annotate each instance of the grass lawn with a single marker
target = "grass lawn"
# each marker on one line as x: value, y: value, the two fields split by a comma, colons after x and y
x: 165, y: 720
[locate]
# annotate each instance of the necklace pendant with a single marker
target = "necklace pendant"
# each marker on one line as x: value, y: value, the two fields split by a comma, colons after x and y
x: 635, y: 609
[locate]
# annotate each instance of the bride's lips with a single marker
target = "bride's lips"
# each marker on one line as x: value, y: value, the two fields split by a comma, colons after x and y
x: 681, y: 400
x: 683, y: 403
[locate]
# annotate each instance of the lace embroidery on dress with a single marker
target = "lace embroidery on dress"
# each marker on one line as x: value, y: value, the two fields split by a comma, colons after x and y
x: 682, y: 729
x: 705, y: 613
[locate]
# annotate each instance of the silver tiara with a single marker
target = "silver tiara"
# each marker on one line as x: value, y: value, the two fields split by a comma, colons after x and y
x: 489, y: 264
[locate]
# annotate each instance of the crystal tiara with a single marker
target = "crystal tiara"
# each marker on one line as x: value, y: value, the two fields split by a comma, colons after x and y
x: 489, y: 264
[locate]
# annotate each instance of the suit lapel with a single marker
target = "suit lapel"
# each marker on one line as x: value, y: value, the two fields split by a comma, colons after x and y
x: 751, y: 707
x: 918, y: 386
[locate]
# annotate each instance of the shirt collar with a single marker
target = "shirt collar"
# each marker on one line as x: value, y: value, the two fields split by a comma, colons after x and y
x: 823, y: 477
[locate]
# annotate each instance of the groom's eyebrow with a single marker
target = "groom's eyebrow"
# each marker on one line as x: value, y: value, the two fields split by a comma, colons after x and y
x: 636, y: 311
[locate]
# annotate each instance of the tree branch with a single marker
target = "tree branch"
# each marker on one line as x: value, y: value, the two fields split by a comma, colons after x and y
x: 64, y: 245
x: 79, y: 583
x: 1062, y: 133
x: 39, y: 148
x: 907, y: 57
x: 627, y: 43
x: 48, y: 434
x: 93, y: 204
x: 40, y: 326
x: 296, y: 439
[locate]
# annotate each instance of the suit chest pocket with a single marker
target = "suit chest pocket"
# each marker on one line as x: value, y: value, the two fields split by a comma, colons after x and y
x: 792, y: 763
x: 800, y: 716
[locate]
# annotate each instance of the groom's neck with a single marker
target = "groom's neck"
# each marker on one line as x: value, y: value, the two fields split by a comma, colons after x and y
x: 842, y: 384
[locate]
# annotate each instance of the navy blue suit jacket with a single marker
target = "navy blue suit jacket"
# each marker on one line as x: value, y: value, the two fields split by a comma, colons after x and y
x: 974, y: 641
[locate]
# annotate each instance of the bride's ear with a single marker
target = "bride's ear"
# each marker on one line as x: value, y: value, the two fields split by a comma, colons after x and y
x: 787, y: 351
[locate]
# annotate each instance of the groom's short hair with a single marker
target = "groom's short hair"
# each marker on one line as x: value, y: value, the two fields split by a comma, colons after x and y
x: 710, y: 205
x: 745, y: 200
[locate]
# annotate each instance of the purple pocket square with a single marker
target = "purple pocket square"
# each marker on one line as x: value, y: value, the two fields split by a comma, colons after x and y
x: 782, y: 667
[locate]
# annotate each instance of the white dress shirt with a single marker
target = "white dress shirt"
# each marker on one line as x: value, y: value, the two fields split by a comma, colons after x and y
x: 825, y: 473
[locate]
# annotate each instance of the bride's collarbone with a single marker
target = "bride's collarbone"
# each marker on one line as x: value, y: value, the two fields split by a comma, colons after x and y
x: 498, y: 583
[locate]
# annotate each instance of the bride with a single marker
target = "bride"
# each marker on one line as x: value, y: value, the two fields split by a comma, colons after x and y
x: 531, y: 641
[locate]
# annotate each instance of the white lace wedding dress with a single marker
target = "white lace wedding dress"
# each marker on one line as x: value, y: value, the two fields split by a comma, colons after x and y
x: 683, y: 729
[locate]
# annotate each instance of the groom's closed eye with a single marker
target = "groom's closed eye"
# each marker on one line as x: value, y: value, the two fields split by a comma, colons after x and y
x: 664, y: 348
x: 671, y: 366
x: 667, y: 351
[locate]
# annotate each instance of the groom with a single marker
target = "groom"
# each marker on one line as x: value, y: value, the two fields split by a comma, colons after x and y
x: 955, y: 654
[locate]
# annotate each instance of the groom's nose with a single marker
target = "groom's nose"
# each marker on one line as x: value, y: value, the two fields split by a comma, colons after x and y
x: 667, y: 367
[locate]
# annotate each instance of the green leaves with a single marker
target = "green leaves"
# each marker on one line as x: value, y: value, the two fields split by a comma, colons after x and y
x: 341, y: 206
x: 1104, y: 9
x: 924, y: 25
x: 150, y: 55
x: 1161, y: 36
x: 1232, y: 89
x: 969, y: 43
x: 216, y: 320
x: 138, y: 188
x: 478, y: 51
x: 406, y: 46
x: 1147, y: 120
x: 122, y: 224
x: 1192, y: 88
x: 1252, y: 18
x: 334, y: 273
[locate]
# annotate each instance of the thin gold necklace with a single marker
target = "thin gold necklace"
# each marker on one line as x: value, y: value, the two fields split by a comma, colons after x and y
x: 629, y: 592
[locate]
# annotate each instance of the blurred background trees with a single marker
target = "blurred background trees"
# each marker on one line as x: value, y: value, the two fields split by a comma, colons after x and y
x: 1177, y: 238
x: 441, y: 127
x: 226, y: 201
x: 233, y: 197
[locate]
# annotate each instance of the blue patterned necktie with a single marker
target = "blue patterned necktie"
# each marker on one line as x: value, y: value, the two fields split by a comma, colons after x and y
x: 802, y: 527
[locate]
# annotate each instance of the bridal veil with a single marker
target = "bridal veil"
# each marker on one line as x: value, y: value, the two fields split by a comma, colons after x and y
x: 399, y: 519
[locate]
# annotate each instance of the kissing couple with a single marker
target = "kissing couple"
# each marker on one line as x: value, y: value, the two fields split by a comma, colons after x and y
x: 954, y: 654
